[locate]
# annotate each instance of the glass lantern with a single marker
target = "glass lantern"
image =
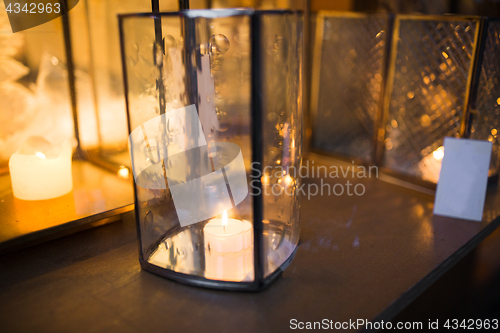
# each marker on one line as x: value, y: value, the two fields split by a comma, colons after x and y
x: 215, y: 117
x: 349, y: 66
x: 428, y: 88
x: 49, y: 184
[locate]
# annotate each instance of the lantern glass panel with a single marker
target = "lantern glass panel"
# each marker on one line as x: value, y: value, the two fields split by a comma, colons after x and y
x: 282, y: 135
x: 428, y: 91
x: 348, y: 77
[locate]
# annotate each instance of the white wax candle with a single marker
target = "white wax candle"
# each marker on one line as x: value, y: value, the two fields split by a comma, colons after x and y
x: 228, y: 249
x: 40, y: 171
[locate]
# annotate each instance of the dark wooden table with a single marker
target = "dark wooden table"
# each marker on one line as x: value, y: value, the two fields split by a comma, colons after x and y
x: 359, y: 258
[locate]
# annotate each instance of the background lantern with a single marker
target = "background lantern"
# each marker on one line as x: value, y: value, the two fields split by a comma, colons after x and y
x: 213, y: 98
x: 50, y: 182
x: 422, y: 78
x: 350, y: 55
x: 428, y: 91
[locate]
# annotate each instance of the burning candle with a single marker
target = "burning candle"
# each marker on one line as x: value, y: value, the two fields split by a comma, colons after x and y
x: 228, y: 249
x: 40, y: 171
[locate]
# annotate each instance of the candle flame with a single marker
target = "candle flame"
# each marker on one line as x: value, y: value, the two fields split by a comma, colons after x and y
x: 224, y: 219
x: 438, y: 153
x: 39, y: 154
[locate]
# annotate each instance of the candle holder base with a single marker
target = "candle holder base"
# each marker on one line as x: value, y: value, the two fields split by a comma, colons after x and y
x: 183, y: 253
x: 197, y: 281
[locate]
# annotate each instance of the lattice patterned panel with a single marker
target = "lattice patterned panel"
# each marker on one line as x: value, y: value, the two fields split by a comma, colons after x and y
x: 486, y: 123
x: 348, y: 77
x: 429, y: 86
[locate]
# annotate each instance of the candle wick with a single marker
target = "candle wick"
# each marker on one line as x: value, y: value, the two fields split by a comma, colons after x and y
x: 224, y: 227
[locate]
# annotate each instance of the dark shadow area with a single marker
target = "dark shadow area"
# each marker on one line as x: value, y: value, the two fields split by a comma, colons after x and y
x: 469, y: 290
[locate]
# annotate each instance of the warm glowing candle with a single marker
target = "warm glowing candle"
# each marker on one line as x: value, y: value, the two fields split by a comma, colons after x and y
x: 228, y: 249
x: 40, y: 171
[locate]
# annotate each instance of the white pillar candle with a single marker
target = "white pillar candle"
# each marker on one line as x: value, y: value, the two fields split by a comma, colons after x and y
x: 228, y: 249
x: 40, y: 171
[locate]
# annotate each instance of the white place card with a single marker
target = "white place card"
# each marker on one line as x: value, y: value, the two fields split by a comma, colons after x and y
x: 461, y: 188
